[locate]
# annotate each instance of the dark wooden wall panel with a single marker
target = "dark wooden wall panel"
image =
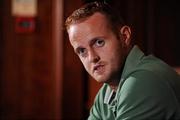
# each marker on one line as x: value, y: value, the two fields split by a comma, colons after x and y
x: 73, y: 74
x: 28, y: 81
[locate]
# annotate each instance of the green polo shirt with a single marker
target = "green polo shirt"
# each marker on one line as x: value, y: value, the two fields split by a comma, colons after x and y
x: 148, y: 90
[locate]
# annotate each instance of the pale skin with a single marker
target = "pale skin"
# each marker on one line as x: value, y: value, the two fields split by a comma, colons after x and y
x: 99, y: 49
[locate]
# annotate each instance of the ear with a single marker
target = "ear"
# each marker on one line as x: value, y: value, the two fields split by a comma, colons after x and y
x: 125, y: 32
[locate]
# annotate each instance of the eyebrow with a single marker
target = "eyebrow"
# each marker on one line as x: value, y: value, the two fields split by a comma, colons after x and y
x: 91, y: 42
x: 95, y: 39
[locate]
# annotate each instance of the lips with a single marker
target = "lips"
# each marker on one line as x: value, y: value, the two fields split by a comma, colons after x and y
x: 98, y: 69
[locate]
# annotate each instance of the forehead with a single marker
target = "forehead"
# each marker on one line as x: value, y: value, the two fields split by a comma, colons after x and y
x: 96, y: 19
x: 92, y: 23
x: 94, y: 26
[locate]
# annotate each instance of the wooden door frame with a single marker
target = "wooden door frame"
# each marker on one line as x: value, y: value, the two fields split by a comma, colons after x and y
x: 57, y: 37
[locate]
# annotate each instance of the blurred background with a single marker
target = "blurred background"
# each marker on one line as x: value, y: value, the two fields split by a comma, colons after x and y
x: 40, y: 76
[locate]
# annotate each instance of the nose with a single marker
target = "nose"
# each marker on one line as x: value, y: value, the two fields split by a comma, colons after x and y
x: 93, y: 56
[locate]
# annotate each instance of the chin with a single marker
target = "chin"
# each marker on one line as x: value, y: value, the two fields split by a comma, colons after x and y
x: 101, y: 79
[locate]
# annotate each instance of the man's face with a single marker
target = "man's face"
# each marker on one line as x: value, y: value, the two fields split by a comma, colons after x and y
x: 98, y: 48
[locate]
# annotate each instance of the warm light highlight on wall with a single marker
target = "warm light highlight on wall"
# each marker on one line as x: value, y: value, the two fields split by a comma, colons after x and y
x: 24, y: 8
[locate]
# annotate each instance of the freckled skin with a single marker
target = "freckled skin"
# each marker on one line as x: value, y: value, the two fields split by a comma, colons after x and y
x: 109, y: 52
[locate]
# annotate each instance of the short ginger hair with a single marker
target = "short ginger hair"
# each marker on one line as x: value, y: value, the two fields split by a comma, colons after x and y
x: 114, y: 19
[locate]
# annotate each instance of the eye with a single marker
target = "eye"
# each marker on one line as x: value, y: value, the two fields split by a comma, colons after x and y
x: 82, y: 52
x: 99, y: 42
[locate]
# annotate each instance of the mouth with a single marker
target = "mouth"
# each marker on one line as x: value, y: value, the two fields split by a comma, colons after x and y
x: 99, y: 69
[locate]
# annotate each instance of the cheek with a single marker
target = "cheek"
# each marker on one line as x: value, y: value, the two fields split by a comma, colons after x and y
x: 85, y: 64
x: 112, y: 52
x: 115, y: 55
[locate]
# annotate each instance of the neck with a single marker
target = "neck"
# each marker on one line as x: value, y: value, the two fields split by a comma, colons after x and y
x: 116, y: 79
x: 114, y: 87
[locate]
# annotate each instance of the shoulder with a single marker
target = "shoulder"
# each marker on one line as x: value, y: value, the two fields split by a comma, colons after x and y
x: 143, y: 96
x: 143, y: 82
x: 101, y: 93
x: 96, y: 109
x: 144, y: 91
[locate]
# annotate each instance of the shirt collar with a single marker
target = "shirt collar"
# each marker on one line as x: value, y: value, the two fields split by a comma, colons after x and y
x: 109, y: 95
x: 132, y: 60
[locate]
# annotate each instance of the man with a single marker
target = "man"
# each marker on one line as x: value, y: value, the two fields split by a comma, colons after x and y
x: 135, y: 86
